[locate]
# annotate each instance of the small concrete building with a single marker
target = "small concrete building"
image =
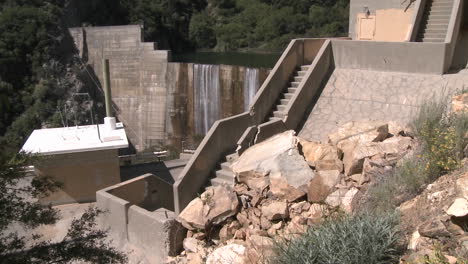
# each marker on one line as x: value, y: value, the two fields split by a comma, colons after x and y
x: 83, y: 158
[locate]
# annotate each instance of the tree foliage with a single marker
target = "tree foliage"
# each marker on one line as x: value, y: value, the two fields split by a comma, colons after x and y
x: 19, y: 206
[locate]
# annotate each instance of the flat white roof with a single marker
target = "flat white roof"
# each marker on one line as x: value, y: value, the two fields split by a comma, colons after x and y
x: 63, y: 140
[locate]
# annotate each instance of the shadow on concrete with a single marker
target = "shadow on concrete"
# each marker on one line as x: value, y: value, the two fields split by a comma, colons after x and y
x: 168, y: 171
x: 316, y: 97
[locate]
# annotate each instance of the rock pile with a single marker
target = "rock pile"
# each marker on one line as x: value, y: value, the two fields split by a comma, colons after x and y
x: 437, y: 219
x: 285, y: 184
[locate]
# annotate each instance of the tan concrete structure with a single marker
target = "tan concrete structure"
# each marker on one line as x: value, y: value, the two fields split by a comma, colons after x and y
x: 84, y: 159
x: 82, y: 175
x: 380, y: 20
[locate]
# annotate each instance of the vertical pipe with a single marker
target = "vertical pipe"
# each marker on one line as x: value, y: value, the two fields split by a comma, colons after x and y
x: 107, y: 90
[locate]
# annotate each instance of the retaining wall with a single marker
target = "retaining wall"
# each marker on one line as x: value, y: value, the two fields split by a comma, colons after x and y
x: 139, y: 212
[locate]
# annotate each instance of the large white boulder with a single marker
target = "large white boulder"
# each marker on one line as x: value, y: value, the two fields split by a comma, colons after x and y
x: 214, y: 206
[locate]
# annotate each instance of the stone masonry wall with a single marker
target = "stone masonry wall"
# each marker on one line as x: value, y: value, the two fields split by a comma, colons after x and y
x: 354, y: 95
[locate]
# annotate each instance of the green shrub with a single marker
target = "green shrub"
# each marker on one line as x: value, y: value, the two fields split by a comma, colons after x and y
x: 357, y: 239
x: 443, y: 139
x: 407, y: 181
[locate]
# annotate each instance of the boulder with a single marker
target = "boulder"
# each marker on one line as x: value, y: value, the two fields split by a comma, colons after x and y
x: 192, y: 245
x: 354, y: 154
x: 261, y: 249
x: 229, y: 254
x: 314, y: 151
x: 350, y: 200
x: 334, y: 199
x: 359, y: 132
x: 253, y: 157
x: 255, y: 180
x: 433, y: 228
x: 278, y: 157
x: 194, y: 258
x: 459, y: 208
x: 324, y: 165
x: 322, y: 185
x: 460, y: 103
x: 315, y: 214
x: 276, y: 210
x: 214, y: 206
x: 289, y: 176
x: 462, y: 186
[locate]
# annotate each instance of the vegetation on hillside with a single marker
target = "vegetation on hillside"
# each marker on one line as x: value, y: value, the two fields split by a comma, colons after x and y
x: 443, y: 138
x: 353, y: 239
x: 222, y: 25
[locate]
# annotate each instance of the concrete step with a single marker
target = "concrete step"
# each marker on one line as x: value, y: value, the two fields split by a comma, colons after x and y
x: 434, y: 35
x: 284, y: 101
x: 232, y: 157
x: 295, y: 84
x: 298, y: 78
x: 304, y: 67
x: 220, y: 182
x: 438, y: 21
x: 288, y: 95
x: 301, y: 73
x: 225, y: 175
x: 435, y: 31
x: 225, y: 166
x: 433, y: 40
x: 281, y: 108
x: 439, y: 12
x: 278, y: 114
x: 432, y: 17
x: 292, y: 89
x: 436, y: 27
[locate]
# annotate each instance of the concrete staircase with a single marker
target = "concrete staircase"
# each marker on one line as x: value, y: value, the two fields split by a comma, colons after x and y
x: 225, y: 176
x: 435, y: 21
x: 278, y: 112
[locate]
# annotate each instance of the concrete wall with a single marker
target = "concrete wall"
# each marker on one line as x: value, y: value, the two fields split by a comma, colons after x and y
x: 82, y: 174
x: 148, y: 192
x: 149, y: 226
x: 389, y: 20
x: 412, y: 57
x: 354, y: 95
x: 138, y: 78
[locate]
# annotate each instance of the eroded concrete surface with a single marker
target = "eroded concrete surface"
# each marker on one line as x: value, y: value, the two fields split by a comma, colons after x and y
x: 353, y: 95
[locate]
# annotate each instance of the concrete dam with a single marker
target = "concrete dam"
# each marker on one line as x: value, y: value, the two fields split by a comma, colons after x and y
x: 160, y: 102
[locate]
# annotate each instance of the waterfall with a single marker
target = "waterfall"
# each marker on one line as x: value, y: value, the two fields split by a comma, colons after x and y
x: 207, y: 97
x: 251, y: 85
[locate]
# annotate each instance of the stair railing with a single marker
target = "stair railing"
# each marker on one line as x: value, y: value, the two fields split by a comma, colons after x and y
x: 453, y: 32
x: 419, y: 9
x: 225, y: 133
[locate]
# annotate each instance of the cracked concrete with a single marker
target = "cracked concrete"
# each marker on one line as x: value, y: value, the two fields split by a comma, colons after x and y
x: 353, y: 95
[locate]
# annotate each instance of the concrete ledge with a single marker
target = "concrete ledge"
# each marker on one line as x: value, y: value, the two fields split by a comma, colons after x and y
x: 409, y: 57
x: 115, y: 216
x: 269, y: 129
x: 246, y: 140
